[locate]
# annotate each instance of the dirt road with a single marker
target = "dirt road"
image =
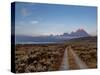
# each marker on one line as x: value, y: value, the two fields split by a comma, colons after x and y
x: 71, y: 60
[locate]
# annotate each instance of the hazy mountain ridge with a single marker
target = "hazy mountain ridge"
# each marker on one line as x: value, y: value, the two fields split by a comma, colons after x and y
x: 79, y: 32
x: 53, y: 38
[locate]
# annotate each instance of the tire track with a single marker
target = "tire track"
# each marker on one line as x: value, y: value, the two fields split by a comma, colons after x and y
x: 71, y: 59
x: 78, y: 61
x: 65, y: 64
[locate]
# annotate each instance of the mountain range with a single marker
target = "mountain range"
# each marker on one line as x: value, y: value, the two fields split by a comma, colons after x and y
x: 53, y: 38
x: 76, y: 34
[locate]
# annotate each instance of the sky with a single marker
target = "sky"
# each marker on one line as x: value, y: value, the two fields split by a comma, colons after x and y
x: 35, y: 19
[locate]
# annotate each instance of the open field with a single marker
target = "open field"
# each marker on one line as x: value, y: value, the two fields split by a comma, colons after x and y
x: 38, y: 58
x: 73, y: 54
x: 86, y: 49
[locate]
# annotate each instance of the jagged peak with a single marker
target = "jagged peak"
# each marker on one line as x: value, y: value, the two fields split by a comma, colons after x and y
x: 80, y: 30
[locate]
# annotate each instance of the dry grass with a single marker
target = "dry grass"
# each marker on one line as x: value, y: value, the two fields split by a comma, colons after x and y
x: 86, y: 49
x: 48, y: 57
x: 38, y: 58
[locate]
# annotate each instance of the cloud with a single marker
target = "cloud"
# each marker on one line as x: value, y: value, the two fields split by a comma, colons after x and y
x: 25, y: 12
x: 34, y: 22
